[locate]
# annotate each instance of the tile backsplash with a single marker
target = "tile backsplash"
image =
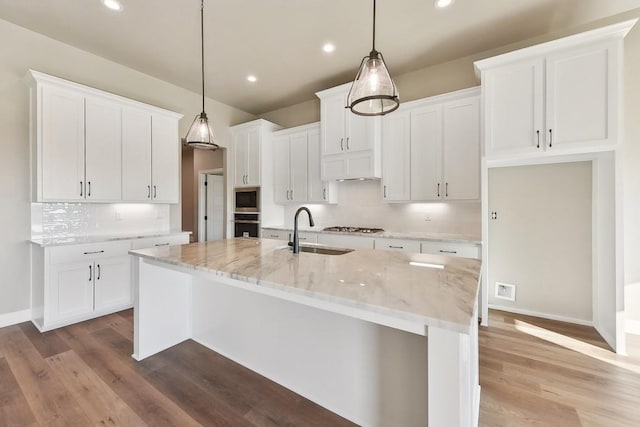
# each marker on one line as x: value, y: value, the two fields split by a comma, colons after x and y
x: 360, y: 204
x: 50, y: 220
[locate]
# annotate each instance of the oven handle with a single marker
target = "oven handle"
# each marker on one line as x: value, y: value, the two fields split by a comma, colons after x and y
x: 244, y: 221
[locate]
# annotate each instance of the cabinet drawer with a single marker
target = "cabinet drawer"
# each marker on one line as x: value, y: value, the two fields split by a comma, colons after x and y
x: 151, y: 242
x: 397, y: 245
x: 275, y: 234
x: 88, y: 252
x: 464, y: 250
x: 342, y: 241
x: 307, y: 237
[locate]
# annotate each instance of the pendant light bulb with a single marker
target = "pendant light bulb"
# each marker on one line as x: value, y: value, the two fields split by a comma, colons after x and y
x: 200, y: 134
x: 373, y: 92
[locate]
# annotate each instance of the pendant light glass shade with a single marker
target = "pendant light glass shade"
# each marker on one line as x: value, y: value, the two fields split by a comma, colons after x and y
x: 373, y: 92
x: 200, y: 134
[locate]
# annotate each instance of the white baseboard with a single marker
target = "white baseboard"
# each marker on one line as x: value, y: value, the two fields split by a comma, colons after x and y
x: 632, y: 326
x: 9, y: 319
x: 542, y: 315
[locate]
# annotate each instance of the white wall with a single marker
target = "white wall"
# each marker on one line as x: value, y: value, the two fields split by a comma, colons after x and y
x: 541, y: 240
x: 22, y: 49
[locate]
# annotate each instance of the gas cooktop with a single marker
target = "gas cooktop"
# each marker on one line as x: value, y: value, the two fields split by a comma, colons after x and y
x: 364, y: 230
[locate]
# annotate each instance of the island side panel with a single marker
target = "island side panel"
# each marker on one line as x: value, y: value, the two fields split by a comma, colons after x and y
x: 453, y: 376
x: 162, y: 308
x: 370, y: 374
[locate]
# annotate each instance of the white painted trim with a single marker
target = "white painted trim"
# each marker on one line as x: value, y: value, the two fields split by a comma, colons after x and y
x: 542, y: 315
x: 614, y: 31
x: 632, y: 326
x: 15, y: 317
x: 202, y: 208
x: 39, y: 78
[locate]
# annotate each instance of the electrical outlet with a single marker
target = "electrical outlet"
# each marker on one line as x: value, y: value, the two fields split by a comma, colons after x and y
x: 505, y: 291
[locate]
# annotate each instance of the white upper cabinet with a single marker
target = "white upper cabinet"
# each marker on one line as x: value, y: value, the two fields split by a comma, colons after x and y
x: 319, y: 191
x: 426, y: 152
x: 165, y: 155
x: 296, y: 164
x: 246, y: 149
x: 103, y: 150
x: 351, y: 144
x: 93, y: 146
x: 431, y: 149
x: 560, y: 97
x: 59, y: 159
x: 396, y: 156
x: 136, y: 155
x: 461, y: 149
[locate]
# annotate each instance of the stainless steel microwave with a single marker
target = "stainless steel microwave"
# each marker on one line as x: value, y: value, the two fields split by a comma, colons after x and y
x: 247, y: 199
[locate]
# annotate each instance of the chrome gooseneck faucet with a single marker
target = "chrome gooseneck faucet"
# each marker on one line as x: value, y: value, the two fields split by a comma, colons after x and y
x: 296, y: 241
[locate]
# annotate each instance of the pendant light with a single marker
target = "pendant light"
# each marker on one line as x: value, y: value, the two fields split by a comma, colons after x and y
x: 200, y: 134
x: 373, y: 93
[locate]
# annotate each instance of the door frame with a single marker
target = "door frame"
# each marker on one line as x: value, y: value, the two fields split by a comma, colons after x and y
x: 202, y: 205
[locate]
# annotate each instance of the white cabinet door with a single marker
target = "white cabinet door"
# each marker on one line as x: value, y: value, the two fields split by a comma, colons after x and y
x: 165, y: 155
x: 581, y: 97
x: 513, y: 106
x: 461, y: 149
x: 253, y: 164
x: 333, y: 124
x: 136, y: 155
x: 241, y: 158
x: 345, y: 241
x: 358, y: 132
x: 426, y: 153
x: 396, y: 156
x: 103, y: 150
x: 62, y: 139
x: 71, y: 290
x: 298, y: 167
x: 112, y: 282
x: 281, y: 188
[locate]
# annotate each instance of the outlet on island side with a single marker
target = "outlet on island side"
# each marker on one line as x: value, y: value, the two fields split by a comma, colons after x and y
x: 505, y: 291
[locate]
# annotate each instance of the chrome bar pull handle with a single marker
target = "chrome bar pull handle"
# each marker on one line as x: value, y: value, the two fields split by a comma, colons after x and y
x: 148, y: 191
x: 155, y: 192
x: 90, y: 273
x: 324, y: 194
x: 550, y: 138
x: 438, y: 189
x: 384, y: 192
x: 347, y: 143
x: 98, y: 270
x: 89, y: 189
x: 81, y: 188
x: 341, y: 144
x: 446, y: 189
x: 538, y: 132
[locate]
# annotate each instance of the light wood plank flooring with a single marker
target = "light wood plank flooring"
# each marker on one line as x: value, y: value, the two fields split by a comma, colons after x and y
x: 534, y: 372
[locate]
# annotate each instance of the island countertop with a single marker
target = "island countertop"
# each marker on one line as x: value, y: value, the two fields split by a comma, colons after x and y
x: 432, y: 290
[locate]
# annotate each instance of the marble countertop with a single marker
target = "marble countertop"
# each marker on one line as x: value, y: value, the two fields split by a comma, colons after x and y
x: 408, y: 235
x: 78, y: 240
x: 397, y: 284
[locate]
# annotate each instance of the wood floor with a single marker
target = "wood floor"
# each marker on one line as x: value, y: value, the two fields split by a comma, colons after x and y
x: 533, y: 372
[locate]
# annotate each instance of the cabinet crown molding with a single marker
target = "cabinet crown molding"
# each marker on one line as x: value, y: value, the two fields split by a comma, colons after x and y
x: 609, y: 32
x: 36, y: 78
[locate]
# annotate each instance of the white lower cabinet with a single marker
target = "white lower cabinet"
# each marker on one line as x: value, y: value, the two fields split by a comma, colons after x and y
x: 397, y: 245
x: 464, y: 250
x: 72, y: 283
x: 345, y: 241
x: 270, y: 233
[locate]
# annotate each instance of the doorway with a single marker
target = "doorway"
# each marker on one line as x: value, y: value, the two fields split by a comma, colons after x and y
x: 211, y: 205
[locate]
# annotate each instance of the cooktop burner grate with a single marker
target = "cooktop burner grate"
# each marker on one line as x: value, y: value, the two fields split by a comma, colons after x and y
x: 364, y: 230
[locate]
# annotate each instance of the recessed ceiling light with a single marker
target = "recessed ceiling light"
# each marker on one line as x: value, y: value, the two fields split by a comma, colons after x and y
x: 328, y: 47
x: 441, y: 4
x: 252, y: 78
x: 112, y: 4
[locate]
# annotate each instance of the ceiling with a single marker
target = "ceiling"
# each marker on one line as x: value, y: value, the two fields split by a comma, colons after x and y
x: 280, y: 41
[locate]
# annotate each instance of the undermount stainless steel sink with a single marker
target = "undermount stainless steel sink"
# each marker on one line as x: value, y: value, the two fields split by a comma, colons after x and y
x: 322, y: 250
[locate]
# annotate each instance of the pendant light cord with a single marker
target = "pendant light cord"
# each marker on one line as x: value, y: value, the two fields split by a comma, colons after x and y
x: 374, y: 25
x: 202, y: 47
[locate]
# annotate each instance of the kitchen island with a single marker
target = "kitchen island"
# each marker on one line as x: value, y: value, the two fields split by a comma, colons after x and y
x: 379, y: 337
